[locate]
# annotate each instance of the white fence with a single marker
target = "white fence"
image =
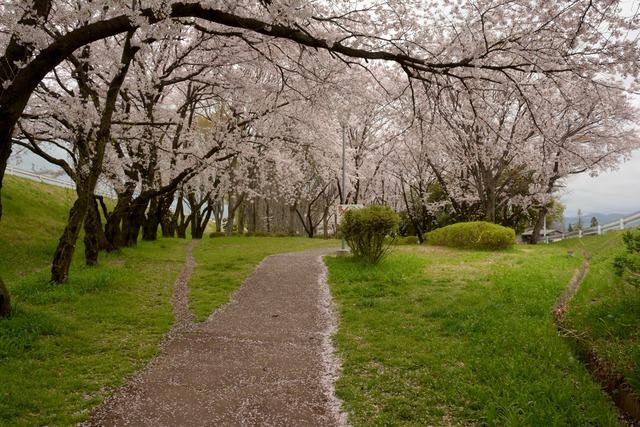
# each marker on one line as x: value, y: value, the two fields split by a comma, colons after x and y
x: 101, y: 190
x: 632, y: 220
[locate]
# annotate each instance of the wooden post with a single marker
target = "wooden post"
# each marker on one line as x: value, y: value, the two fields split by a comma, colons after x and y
x: 599, y: 229
x: 580, y: 234
x: 621, y: 223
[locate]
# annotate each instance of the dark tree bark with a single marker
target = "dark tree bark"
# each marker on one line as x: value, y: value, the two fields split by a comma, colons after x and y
x: 152, y: 220
x: 15, y: 52
x: 181, y: 220
x: 86, y: 184
x: 537, y: 227
x: 199, y: 223
x: 67, y: 244
x: 5, y: 301
x: 112, y: 228
x: 241, y: 217
x: 291, y: 231
x: 168, y: 225
x: 92, y: 231
x: 167, y: 219
x: 133, y: 221
x: 232, y: 207
x: 218, y: 213
x: 267, y: 216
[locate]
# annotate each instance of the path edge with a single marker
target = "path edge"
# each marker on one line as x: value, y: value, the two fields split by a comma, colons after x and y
x: 331, y: 362
x: 182, y: 323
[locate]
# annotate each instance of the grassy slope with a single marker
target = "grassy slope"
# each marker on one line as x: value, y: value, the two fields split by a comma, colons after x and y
x: 66, y: 344
x: 33, y: 219
x: 224, y: 263
x: 604, y: 310
x: 445, y: 337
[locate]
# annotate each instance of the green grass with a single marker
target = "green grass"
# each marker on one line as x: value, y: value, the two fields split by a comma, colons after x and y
x: 605, y: 311
x: 224, y: 263
x: 33, y: 218
x: 429, y: 336
x: 67, y: 344
x: 436, y: 336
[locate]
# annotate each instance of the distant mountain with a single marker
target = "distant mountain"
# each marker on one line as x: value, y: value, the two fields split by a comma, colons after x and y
x: 602, y: 218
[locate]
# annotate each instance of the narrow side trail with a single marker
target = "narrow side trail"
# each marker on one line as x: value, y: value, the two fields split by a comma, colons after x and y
x: 264, y: 359
x: 612, y: 382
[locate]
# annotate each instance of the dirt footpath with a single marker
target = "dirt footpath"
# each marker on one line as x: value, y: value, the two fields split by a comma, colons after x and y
x: 263, y: 359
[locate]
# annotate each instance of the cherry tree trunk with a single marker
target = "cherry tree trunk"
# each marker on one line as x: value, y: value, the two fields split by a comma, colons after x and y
x: 241, y: 217
x: 168, y: 225
x: 490, y: 206
x: 291, y: 220
x: 310, y: 228
x: 325, y: 223
x: 252, y: 216
x: 167, y: 219
x: 67, y: 244
x: 93, y: 234
x: 267, y: 216
x: 181, y: 228
x: 6, y: 131
x: 5, y: 152
x: 5, y: 301
x: 134, y: 221
x: 152, y: 221
x: 199, y: 222
x: 112, y: 228
x: 195, y: 224
x: 218, y: 212
x: 537, y: 227
x: 196, y: 231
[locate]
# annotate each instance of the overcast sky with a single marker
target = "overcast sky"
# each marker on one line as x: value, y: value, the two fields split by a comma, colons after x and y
x: 613, y: 192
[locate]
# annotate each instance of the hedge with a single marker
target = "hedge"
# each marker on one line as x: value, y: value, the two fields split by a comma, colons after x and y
x: 473, y: 235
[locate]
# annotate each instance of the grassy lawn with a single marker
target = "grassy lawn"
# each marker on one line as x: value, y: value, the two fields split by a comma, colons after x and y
x: 434, y: 336
x: 430, y: 336
x: 224, y: 263
x: 605, y: 311
x: 65, y: 345
x: 33, y: 219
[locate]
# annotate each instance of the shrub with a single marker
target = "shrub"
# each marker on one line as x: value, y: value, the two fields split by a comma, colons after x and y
x: 627, y: 265
x: 473, y: 235
x: 216, y: 234
x: 365, y: 231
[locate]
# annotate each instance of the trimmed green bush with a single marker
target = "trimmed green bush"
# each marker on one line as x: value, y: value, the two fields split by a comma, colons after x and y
x: 473, y: 235
x: 365, y: 231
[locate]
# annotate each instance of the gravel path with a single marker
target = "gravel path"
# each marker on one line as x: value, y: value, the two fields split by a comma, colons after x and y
x: 264, y: 359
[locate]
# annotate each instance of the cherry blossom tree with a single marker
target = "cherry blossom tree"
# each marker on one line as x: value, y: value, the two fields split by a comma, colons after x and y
x: 259, y: 63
